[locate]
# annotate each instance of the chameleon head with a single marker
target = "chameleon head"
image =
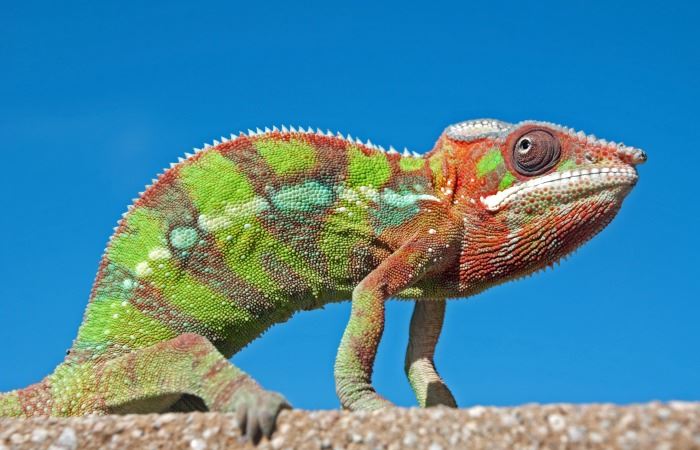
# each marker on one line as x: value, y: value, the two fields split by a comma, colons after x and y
x: 534, y: 192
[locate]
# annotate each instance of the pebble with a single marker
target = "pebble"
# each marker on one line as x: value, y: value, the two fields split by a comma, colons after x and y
x: 663, y: 413
x: 198, y: 444
x: 277, y: 442
x: 575, y: 434
x: 437, y: 414
x: 509, y: 420
x: 556, y: 422
x: 410, y: 439
x: 476, y: 411
x: 67, y: 440
x: 39, y: 435
x: 595, y: 437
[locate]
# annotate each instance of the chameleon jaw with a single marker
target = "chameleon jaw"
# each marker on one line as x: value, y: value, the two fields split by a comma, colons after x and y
x: 608, y: 175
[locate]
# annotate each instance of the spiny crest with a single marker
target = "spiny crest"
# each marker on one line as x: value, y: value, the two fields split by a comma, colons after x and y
x: 259, y: 132
x: 301, y: 130
x: 292, y: 130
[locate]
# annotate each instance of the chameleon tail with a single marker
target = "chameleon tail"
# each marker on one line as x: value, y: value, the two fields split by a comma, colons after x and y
x: 10, y: 405
x: 34, y: 400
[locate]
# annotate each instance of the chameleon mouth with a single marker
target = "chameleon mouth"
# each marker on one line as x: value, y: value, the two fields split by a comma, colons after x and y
x: 603, y: 177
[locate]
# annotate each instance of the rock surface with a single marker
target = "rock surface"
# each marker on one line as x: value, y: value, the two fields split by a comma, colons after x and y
x: 658, y: 426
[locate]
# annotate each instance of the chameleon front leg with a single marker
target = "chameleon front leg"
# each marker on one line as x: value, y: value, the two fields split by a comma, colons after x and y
x: 424, y: 333
x: 153, y: 378
x: 358, y: 347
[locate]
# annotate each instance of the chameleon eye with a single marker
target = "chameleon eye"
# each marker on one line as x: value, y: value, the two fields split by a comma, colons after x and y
x: 524, y: 145
x: 535, y: 152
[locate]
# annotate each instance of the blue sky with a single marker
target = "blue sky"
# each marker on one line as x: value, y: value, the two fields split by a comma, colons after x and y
x: 97, y: 97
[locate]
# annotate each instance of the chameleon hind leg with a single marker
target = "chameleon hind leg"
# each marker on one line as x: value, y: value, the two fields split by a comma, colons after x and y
x: 156, y: 377
x: 426, y: 324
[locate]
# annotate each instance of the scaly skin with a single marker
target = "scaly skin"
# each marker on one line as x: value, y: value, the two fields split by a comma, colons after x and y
x: 242, y: 234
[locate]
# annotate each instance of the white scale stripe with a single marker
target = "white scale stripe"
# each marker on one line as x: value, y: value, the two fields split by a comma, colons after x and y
x: 496, y: 201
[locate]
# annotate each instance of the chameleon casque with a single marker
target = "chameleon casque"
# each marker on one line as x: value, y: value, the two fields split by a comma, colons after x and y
x: 243, y: 233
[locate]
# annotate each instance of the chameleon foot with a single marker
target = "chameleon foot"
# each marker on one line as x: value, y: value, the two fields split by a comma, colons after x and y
x: 195, y: 368
x: 256, y: 413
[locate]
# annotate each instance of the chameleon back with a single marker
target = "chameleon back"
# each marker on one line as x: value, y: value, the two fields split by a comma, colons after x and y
x: 241, y: 235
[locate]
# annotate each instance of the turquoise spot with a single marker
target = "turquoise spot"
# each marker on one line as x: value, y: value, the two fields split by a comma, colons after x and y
x: 392, y: 217
x: 310, y: 196
x: 183, y: 237
x: 396, y: 208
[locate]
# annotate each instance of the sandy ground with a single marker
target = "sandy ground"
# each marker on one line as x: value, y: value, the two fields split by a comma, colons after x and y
x: 658, y: 426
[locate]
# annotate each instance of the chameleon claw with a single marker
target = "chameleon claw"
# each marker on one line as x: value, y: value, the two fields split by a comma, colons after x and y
x: 257, y: 413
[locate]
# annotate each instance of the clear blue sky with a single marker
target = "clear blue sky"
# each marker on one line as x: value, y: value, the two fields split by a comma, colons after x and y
x: 97, y: 97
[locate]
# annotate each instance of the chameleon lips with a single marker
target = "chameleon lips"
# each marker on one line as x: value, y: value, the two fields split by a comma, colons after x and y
x: 603, y: 177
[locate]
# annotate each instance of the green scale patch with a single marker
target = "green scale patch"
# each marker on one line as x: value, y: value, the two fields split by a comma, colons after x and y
x: 493, y: 161
x: 142, y: 250
x: 132, y: 245
x: 232, y: 215
x: 507, y: 181
x: 489, y: 162
x: 567, y: 164
x: 284, y: 156
x: 367, y: 170
x: 345, y: 228
x: 110, y: 321
x: 194, y: 298
x: 411, y: 164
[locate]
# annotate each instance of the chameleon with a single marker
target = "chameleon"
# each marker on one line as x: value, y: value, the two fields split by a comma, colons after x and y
x: 247, y: 231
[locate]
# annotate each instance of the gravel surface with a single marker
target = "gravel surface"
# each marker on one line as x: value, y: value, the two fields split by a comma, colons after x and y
x: 658, y: 426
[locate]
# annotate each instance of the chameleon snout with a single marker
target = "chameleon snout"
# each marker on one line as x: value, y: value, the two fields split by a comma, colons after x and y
x: 632, y: 155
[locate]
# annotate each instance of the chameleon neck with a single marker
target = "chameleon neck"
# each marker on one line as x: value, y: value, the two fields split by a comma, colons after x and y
x: 442, y: 168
